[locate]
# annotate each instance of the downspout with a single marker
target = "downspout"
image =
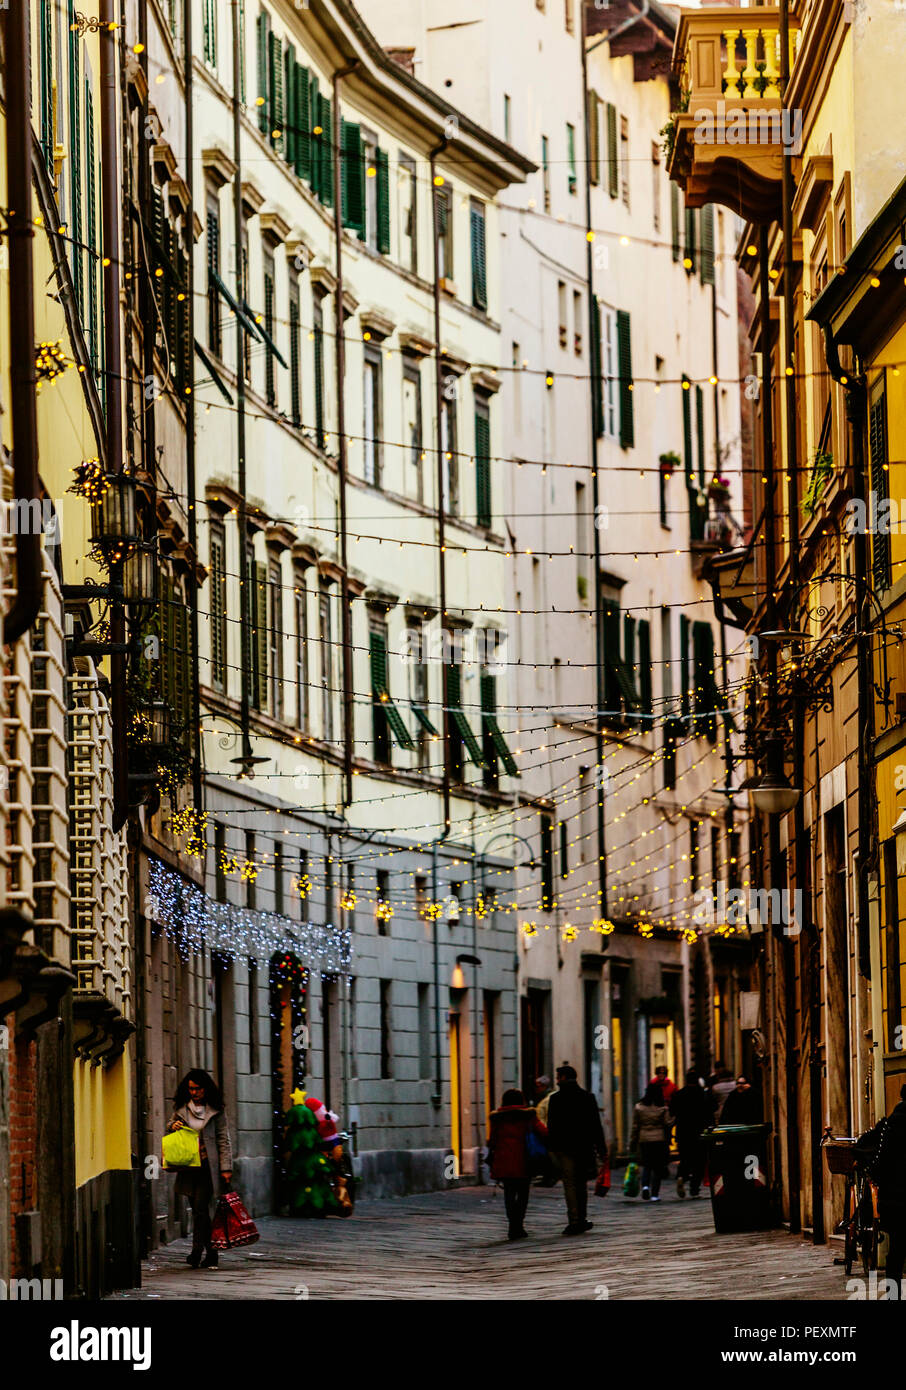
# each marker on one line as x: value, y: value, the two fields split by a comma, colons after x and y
x: 441, y: 505
x: 23, y: 380
x: 340, y: 359
x: 246, y: 571
x: 113, y: 371
x: 803, y: 877
x: 593, y: 330
x: 197, y: 788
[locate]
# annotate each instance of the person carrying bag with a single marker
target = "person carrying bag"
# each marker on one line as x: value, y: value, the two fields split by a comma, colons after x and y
x: 198, y: 1111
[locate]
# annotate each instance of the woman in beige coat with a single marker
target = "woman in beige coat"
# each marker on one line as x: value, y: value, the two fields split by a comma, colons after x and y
x: 198, y: 1104
x: 651, y: 1125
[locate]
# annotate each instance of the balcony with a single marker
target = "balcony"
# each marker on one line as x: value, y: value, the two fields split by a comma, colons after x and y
x: 727, y: 142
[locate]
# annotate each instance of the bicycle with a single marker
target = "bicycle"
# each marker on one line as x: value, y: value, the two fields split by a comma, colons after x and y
x: 861, y: 1228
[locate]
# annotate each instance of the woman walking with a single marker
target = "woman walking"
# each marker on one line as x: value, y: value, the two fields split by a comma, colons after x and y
x: 651, y: 1124
x: 508, y: 1157
x: 198, y: 1104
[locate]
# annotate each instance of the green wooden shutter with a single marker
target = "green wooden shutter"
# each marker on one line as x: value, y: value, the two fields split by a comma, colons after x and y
x: 685, y: 672
x: 261, y: 633
x: 597, y: 369
x: 215, y: 342
x: 547, y: 864
x: 383, y: 202
x: 75, y: 162
x: 289, y: 101
x: 482, y: 469
x: 319, y: 386
x: 877, y: 440
x: 91, y: 230
x: 705, y: 687
x: 46, y: 77
x: 479, y: 259
x: 314, y: 99
x: 624, y: 358
x: 264, y: 29
x: 644, y: 681
x: 352, y: 177
x: 594, y: 137
x: 610, y: 655
x: 707, y: 246
x: 325, y: 144
x: 675, y: 220
x: 613, y: 163
x: 295, y: 356
x: 209, y: 26
x: 275, y: 78
x: 700, y: 430
x: 689, y: 247
x: 688, y: 463
x: 303, y: 122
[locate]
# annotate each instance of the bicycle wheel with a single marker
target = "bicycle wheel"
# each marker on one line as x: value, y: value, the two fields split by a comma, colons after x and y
x: 871, y: 1236
x: 850, y: 1231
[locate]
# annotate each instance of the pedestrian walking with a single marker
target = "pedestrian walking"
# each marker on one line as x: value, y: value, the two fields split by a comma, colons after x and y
x: 508, y: 1156
x: 576, y: 1139
x: 743, y: 1104
x: 661, y: 1078
x: 651, y: 1124
x: 692, y: 1110
x: 544, y: 1089
x: 889, y: 1171
x: 721, y: 1086
x: 198, y: 1104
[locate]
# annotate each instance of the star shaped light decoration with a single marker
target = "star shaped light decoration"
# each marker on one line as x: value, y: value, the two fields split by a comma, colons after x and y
x: 298, y: 1096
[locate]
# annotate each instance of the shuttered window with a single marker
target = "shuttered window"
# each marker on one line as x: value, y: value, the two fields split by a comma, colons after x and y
x: 75, y: 161
x: 92, y: 232
x: 318, y: 331
x: 689, y: 246
x: 275, y: 92
x: 624, y: 360
x: 209, y: 32
x: 645, y: 672
x: 387, y: 719
x: 621, y: 698
x: 264, y: 90
x: 495, y: 746
x: 674, y: 731
x: 483, y: 512
x: 707, y: 244
x: 685, y: 664
x: 325, y: 150
x: 289, y: 100
x: 700, y: 432
x: 382, y: 161
x: 597, y: 368
x: 571, y: 157
x: 479, y: 257
x: 696, y: 513
x: 705, y: 687
x: 877, y: 439
x: 594, y: 137
x: 302, y: 121
x: 547, y: 864
x: 675, y: 220
x: 215, y: 335
x: 270, y: 373
x: 45, y: 59
x: 352, y: 153
x: 261, y: 637
x: 613, y: 157
x: 218, y: 607
x: 295, y: 354
x: 461, y: 733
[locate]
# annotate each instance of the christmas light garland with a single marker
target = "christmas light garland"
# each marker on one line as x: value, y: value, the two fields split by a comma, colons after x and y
x: 197, y: 923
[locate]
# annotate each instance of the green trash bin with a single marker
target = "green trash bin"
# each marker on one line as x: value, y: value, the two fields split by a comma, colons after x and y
x: 737, y: 1172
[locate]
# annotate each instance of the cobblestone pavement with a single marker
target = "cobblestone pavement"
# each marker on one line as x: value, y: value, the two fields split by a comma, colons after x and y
x: 451, y: 1245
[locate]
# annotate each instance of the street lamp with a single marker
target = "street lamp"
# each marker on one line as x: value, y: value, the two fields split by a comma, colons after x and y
x: 114, y: 527
x: 139, y: 581
x: 772, y: 793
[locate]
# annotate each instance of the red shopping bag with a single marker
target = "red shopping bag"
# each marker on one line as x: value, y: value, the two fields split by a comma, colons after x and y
x: 602, y: 1182
x: 232, y: 1224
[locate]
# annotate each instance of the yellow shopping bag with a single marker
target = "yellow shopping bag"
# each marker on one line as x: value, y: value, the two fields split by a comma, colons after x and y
x: 181, y: 1149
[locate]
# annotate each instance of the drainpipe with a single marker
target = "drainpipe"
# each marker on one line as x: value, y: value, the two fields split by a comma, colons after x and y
x: 593, y: 329
x: 113, y: 371
x: 340, y: 326
x: 23, y: 381
x: 441, y: 506
x: 197, y: 788
x: 246, y: 570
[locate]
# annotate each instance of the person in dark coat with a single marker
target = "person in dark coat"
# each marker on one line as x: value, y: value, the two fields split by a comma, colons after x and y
x: 889, y: 1171
x: 743, y: 1105
x: 198, y: 1104
x: 576, y: 1138
x: 508, y: 1159
x: 693, y: 1112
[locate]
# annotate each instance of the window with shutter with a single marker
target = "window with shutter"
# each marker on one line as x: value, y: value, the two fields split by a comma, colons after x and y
x: 479, y: 258
x: 644, y: 674
x: 613, y: 156
x: 314, y: 100
x: 325, y: 151
x: 877, y: 441
x: 571, y: 157
x: 482, y: 465
x: 209, y: 27
x: 696, y: 513
x: 689, y: 245
x: 705, y: 687
x: 674, y: 731
x: 270, y: 373
x: 700, y: 430
x: 302, y: 120
x: 295, y: 354
x: 383, y: 201
x: 685, y: 663
x: 46, y: 80
x: 275, y: 636
x: 461, y: 733
x: 547, y: 864
x: 261, y: 636
x: 675, y: 220
x: 318, y: 331
x: 289, y: 100
x: 624, y: 358
x: 707, y: 244
x: 92, y: 232
x: 594, y: 137
x: 597, y: 382
x: 75, y: 161
x: 215, y: 336
x: 352, y: 173
x: 218, y: 607
x: 264, y: 91
x: 301, y: 607
x: 387, y: 719
x: 275, y: 83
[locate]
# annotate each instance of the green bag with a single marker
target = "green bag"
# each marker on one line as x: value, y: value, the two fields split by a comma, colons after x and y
x: 631, y: 1180
x: 181, y: 1149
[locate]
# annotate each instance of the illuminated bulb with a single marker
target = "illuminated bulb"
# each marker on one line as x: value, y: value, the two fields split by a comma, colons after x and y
x: 874, y: 282
x: 624, y: 241
x: 439, y: 180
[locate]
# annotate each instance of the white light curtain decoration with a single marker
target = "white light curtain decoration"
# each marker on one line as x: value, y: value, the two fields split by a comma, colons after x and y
x: 196, y: 922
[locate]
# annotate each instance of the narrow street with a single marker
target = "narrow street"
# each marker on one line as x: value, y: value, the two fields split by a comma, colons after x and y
x: 451, y: 1245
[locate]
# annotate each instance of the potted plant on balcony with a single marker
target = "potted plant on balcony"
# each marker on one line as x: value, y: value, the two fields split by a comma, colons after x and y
x: 719, y: 489
x: 669, y: 463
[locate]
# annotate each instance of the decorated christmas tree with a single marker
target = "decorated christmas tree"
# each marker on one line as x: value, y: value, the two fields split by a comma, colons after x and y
x: 306, y: 1172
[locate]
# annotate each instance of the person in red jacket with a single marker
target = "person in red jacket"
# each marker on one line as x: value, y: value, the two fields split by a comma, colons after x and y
x: 508, y: 1157
x: 662, y: 1078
